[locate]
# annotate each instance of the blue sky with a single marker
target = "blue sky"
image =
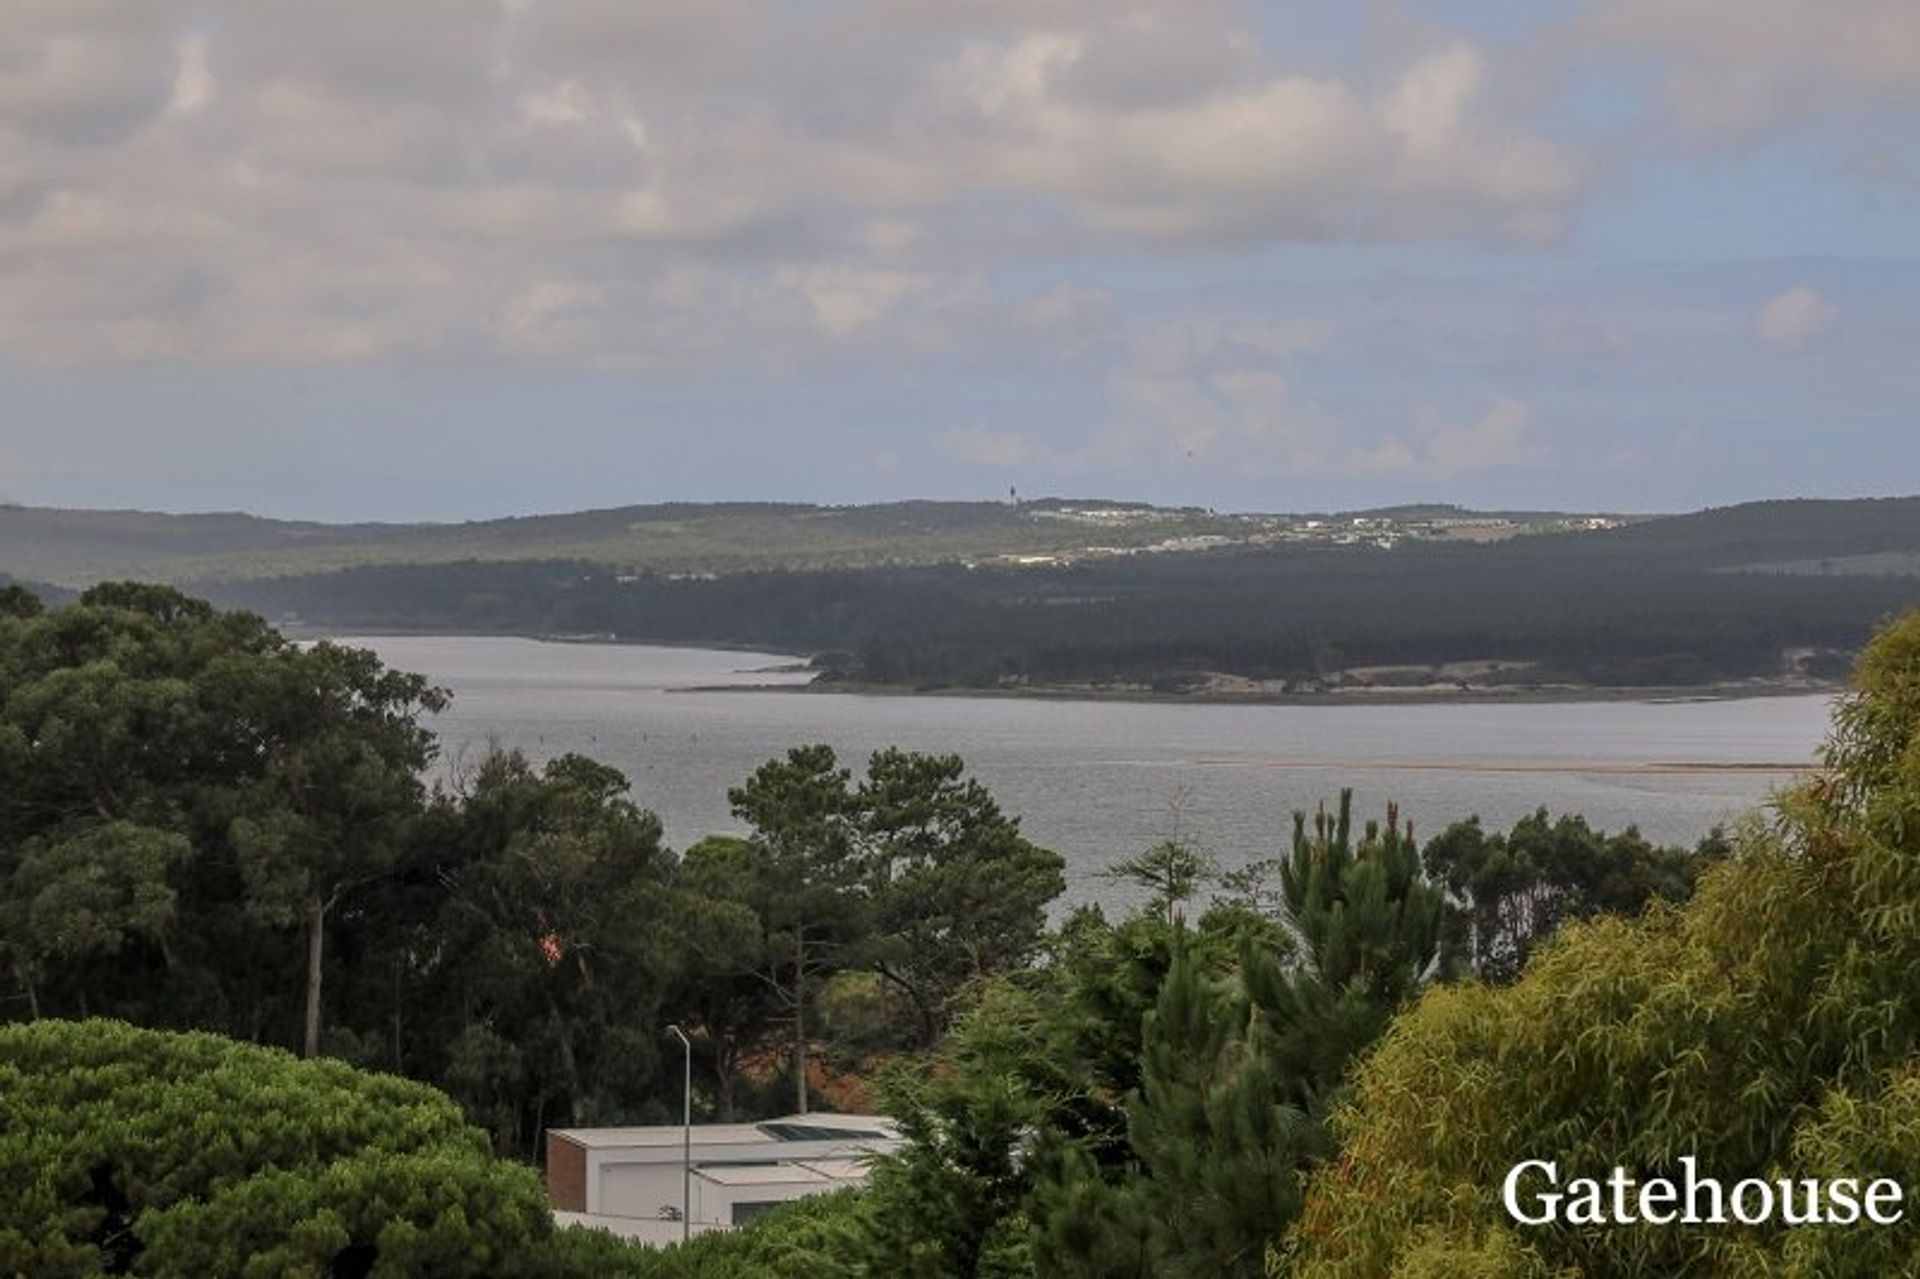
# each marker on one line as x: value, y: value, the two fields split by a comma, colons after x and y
x: 455, y: 259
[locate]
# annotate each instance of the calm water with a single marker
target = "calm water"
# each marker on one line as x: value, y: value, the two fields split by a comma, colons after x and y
x: 1099, y: 780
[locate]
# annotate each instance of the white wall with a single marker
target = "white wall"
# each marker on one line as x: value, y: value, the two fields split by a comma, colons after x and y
x: 637, y: 1190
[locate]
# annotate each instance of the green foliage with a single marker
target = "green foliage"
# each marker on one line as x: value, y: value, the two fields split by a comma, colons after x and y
x: 182, y: 784
x: 1768, y: 1028
x: 92, y: 892
x: 914, y: 874
x: 133, y: 1151
x: 196, y: 814
x: 1641, y: 606
x: 542, y: 966
x: 18, y: 601
x: 1237, y: 1072
x: 1509, y: 892
x: 1171, y: 873
x: 1217, y: 1130
x: 1369, y: 927
x: 1146, y: 1102
x: 957, y: 892
x: 667, y: 537
x: 203, y: 825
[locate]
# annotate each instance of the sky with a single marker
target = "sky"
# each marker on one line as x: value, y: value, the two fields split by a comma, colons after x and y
x: 450, y: 259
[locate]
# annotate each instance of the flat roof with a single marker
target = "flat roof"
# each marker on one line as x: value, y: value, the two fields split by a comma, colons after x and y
x: 667, y: 1135
x: 768, y: 1132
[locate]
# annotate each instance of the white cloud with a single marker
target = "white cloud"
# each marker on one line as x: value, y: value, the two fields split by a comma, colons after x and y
x: 1214, y: 389
x: 1794, y: 318
x: 1733, y: 68
x: 1501, y: 436
x: 845, y: 298
x: 294, y: 182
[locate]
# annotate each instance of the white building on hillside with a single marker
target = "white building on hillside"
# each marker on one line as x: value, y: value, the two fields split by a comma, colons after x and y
x: 628, y: 1180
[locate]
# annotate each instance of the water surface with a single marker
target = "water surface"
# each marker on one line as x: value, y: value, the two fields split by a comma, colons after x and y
x: 1099, y: 780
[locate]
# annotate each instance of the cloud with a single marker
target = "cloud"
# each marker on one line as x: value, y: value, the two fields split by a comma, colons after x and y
x: 1282, y: 156
x: 844, y: 299
x: 1501, y: 436
x: 1794, y: 318
x: 1214, y: 390
x: 279, y: 182
x: 1732, y: 69
x: 990, y: 448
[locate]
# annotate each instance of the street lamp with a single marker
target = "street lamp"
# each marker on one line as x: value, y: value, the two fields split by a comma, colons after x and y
x: 686, y: 1137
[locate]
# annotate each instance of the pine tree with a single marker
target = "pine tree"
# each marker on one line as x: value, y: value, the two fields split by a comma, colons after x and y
x: 1368, y: 924
x: 1238, y: 1070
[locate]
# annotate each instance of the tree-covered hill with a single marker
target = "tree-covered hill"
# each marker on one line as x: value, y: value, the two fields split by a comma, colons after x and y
x: 80, y: 547
x: 1760, y: 533
x: 1652, y: 604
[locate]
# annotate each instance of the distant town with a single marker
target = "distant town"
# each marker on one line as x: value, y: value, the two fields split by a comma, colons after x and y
x: 1383, y: 529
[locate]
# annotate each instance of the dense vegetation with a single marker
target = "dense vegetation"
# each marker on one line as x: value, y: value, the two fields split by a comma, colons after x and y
x: 1322, y: 1065
x: 202, y: 825
x: 880, y: 594
x: 192, y: 1156
x: 1770, y: 1028
x: 129, y: 1151
x: 1661, y: 603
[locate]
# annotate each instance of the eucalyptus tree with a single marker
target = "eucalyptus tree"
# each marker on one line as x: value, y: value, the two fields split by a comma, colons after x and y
x: 342, y: 751
x: 185, y: 790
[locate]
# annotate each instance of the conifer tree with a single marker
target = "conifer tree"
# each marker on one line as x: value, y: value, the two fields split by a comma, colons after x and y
x: 1238, y: 1069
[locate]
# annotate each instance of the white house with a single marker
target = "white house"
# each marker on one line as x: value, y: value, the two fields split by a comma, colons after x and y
x: 629, y: 1179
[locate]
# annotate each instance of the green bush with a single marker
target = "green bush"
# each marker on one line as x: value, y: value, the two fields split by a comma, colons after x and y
x: 128, y: 1151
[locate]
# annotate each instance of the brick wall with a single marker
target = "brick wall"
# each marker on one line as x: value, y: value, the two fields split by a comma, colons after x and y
x: 566, y: 1174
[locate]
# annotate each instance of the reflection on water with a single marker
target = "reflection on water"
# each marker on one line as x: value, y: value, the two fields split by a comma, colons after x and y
x: 1099, y: 780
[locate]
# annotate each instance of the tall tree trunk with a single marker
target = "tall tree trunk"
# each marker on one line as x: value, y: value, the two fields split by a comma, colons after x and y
x: 316, y: 954
x: 800, y: 1015
x: 577, y: 1109
x: 399, y: 1058
x: 722, y: 1084
x: 23, y: 970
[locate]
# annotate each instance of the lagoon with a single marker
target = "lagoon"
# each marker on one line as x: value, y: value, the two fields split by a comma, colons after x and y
x: 1098, y: 780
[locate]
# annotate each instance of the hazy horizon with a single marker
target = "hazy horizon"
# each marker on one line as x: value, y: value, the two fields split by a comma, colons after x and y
x: 906, y: 499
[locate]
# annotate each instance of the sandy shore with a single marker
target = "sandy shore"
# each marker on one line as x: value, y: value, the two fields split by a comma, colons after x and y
x: 1424, y: 696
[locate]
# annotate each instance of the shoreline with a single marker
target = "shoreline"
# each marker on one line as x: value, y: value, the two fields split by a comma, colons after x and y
x: 1375, y: 695
x: 1535, y: 696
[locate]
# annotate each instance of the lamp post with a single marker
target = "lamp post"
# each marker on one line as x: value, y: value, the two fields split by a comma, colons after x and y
x: 686, y: 1136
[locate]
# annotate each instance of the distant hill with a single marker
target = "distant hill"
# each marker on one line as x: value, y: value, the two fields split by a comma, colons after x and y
x: 1261, y: 605
x: 75, y: 547
x: 49, y: 594
x: 78, y: 547
x: 1761, y: 535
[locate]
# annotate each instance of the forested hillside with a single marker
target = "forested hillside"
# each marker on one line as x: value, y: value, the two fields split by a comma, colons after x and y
x: 1653, y: 604
x: 76, y: 548
x: 1065, y: 594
